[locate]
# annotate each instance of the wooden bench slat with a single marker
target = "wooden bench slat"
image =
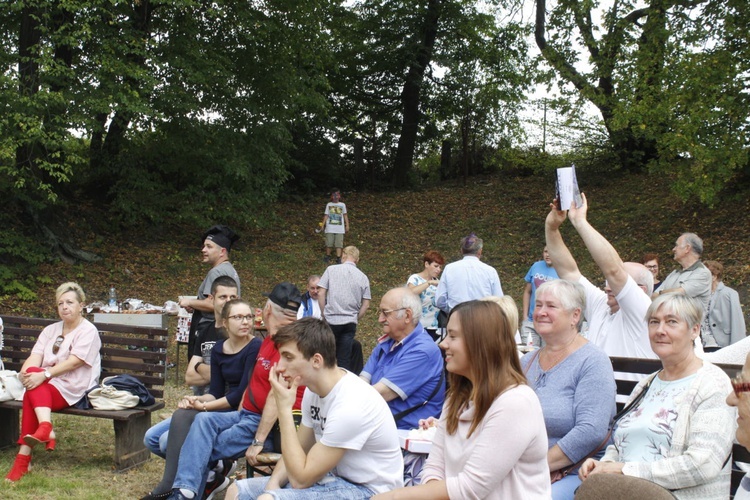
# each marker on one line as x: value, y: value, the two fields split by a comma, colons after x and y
x: 153, y: 344
x: 110, y: 414
x: 138, y: 354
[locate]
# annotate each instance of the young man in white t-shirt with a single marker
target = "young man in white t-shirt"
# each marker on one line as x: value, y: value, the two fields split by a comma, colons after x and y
x: 347, y: 446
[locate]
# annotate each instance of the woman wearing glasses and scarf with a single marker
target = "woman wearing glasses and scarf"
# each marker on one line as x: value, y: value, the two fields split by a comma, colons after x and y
x: 679, y: 435
x: 62, y: 366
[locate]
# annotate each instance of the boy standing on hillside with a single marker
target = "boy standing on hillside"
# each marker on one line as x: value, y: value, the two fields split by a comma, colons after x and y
x: 346, y: 446
x: 335, y: 225
x: 539, y: 272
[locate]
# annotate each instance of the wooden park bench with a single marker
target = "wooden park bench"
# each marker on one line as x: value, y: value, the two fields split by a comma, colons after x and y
x: 647, y: 366
x: 138, y: 351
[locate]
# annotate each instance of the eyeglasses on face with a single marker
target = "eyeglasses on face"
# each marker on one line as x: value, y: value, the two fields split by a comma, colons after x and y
x: 739, y: 385
x: 386, y: 312
x: 241, y: 318
x: 57, y: 344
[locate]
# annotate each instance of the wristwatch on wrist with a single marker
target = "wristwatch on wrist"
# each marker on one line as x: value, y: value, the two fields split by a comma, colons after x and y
x: 47, y: 374
x: 257, y: 443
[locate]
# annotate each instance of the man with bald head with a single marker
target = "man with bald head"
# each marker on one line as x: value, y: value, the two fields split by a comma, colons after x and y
x: 406, y: 366
x: 617, y: 315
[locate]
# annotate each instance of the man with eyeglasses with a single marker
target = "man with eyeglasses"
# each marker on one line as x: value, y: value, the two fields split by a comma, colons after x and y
x: 740, y: 399
x: 344, y: 297
x: 217, y: 435
x: 310, y: 305
x: 617, y: 315
x: 406, y: 366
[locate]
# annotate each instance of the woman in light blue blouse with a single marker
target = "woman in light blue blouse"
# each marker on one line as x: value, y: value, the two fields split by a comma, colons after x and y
x: 573, y: 380
x: 679, y: 434
x: 425, y: 285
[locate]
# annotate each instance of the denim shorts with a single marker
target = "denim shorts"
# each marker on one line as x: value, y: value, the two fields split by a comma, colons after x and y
x: 330, y: 487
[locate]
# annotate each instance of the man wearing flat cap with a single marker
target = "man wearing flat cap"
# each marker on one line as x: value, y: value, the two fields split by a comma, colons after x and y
x: 217, y: 243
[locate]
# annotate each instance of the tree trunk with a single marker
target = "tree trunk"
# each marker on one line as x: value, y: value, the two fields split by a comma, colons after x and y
x: 111, y: 144
x: 410, y: 95
x: 28, y: 82
x: 633, y: 149
x: 445, y: 160
x: 465, y: 149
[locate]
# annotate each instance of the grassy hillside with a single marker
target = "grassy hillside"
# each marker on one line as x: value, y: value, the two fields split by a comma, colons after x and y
x: 392, y: 230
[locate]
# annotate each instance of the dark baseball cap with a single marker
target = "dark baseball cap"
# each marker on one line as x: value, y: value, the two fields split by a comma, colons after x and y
x: 221, y: 235
x: 285, y: 295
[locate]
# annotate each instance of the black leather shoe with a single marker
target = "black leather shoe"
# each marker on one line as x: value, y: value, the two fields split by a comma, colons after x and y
x: 157, y: 496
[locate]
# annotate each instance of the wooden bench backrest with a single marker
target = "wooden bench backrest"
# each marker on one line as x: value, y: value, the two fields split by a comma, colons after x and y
x: 647, y: 366
x: 136, y: 350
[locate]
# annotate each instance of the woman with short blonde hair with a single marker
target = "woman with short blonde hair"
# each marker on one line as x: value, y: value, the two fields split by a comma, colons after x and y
x: 63, y: 364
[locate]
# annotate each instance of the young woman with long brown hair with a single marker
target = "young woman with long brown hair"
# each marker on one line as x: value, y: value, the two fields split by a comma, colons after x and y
x: 482, y: 449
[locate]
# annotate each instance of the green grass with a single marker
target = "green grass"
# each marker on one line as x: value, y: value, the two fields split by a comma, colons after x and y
x: 392, y: 230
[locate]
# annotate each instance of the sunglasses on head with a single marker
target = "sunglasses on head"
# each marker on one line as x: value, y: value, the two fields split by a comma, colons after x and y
x: 57, y: 344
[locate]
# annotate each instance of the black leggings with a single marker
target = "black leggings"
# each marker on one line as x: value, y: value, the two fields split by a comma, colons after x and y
x: 178, y: 431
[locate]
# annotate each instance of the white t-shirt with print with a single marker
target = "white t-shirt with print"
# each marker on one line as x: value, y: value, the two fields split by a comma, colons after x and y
x: 354, y: 416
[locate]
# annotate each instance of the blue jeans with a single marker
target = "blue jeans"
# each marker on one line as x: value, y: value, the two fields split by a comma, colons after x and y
x: 213, y: 436
x: 344, y: 335
x: 330, y: 487
x: 156, y: 438
x: 565, y: 489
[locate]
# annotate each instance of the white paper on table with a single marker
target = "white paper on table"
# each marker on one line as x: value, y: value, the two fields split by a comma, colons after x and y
x: 567, y: 187
x: 183, y: 322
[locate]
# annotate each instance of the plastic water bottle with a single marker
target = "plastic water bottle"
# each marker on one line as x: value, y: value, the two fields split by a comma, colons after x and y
x: 112, y: 297
x: 529, y: 341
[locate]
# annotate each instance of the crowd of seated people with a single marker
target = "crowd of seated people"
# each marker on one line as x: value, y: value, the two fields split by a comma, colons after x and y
x: 538, y: 424
x: 675, y: 434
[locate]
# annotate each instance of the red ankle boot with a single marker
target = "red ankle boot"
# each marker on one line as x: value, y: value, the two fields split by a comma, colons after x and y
x: 20, y: 468
x: 40, y: 436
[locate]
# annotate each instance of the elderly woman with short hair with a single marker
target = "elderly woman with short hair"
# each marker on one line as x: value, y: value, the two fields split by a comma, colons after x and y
x: 573, y: 380
x: 63, y: 364
x: 679, y: 435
